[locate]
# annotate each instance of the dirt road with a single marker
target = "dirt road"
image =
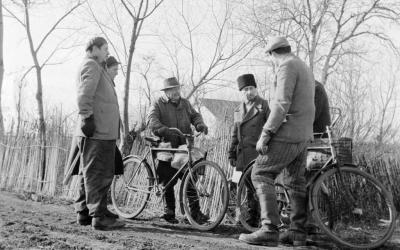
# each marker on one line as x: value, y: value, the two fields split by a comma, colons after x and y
x: 51, y: 225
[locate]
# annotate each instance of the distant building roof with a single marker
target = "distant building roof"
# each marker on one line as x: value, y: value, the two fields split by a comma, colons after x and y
x: 221, y: 109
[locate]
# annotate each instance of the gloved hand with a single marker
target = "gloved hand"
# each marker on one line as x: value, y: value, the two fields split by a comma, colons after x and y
x: 202, y: 128
x: 232, y: 162
x: 88, y: 126
x: 262, y: 142
x: 165, y: 131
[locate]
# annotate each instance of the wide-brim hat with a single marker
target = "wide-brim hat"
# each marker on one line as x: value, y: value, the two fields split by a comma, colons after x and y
x: 111, y: 61
x: 170, y: 83
x: 246, y: 80
x: 276, y: 43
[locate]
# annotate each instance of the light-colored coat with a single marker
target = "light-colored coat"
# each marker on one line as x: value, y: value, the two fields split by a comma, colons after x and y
x: 292, y: 108
x: 97, y: 96
x: 246, y: 131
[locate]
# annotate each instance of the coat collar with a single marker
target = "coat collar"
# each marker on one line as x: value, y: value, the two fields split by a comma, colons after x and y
x: 254, y: 110
x: 164, y: 99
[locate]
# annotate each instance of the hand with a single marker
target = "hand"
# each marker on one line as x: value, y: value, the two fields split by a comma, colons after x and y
x: 232, y: 162
x: 88, y: 126
x: 262, y: 142
x: 202, y: 128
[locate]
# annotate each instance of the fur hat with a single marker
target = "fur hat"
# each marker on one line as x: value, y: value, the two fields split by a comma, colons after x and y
x: 246, y: 80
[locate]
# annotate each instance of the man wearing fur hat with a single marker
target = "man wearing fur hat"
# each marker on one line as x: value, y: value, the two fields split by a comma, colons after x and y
x: 283, y: 146
x: 249, y: 119
x: 173, y: 111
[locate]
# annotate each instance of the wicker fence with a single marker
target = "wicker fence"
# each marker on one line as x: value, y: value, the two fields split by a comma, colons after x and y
x: 20, y: 161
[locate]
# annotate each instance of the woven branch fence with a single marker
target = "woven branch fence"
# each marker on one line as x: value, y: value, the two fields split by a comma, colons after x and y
x: 20, y: 161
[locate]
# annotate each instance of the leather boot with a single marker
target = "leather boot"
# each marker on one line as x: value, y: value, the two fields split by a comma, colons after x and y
x: 268, y: 234
x: 83, y: 218
x: 296, y: 234
x: 110, y: 214
x: 194, y: 205
x: 169, y: 206
x: 253, y: 210
x: 106, y: 223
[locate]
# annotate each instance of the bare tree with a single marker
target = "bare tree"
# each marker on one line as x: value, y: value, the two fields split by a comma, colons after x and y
x: 19, y: 85
x: 386, y: 104
x: 322, y: 30
x: 1, y: 66
x: 39, y: 66
x: 351, y: 91
x: 199, y: 67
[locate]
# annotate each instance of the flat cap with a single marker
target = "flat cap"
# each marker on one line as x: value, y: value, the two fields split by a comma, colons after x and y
x: 276, y: 42
x: 98, y: 41
x: 111, y: 61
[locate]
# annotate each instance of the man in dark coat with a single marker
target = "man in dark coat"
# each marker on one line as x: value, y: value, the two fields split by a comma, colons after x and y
x: 322, y: 114
x: 249, y: 119
x: 96, y: 132
x: 283, y: 146
x: 173, y: 111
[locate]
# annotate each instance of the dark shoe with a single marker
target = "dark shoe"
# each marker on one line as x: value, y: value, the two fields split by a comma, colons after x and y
x: 106, y: 223
x: 200, y: 218
x: 263, y: 236
x: 170, y: 218
x: 293, y: 238
x: 83, y: 218
x: 110, y: 214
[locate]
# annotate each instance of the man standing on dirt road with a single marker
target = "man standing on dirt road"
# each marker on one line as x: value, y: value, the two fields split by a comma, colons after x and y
x: 283, y: 146
x: 97, y: 132
x: 249, y: 119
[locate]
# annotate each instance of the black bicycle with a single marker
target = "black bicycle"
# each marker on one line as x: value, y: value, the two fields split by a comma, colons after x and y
x: 351, y: 206
x: 203, y: 182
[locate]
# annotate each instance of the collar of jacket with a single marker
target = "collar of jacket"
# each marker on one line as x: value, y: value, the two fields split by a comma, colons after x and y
x: 164, y: 99
x: 285, y: 58
x: 101, y: 64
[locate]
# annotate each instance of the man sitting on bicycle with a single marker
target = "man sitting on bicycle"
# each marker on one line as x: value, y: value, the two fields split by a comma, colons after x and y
x: 173, y: 111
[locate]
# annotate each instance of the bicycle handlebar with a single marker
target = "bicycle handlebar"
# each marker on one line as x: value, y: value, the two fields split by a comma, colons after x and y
x: 184, y: 135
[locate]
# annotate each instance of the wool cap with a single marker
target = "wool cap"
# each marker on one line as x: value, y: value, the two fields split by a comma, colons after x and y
x: 246, y: 80
x: 111, y: 61
x: 276, y: 43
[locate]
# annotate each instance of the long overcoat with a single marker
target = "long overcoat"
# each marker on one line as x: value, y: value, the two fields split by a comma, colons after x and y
x: 246, y: 131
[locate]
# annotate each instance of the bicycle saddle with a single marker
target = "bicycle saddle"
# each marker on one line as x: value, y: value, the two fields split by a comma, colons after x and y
x: 154, y: 141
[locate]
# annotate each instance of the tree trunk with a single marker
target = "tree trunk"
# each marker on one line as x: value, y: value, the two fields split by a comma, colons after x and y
x: 39, y: 97
x: 1, y: 68
x: 126, y: 143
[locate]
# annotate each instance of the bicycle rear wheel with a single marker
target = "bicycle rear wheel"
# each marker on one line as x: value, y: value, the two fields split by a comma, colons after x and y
x: 353, y: 208
x: 130, y: 192
x: 205, y: 195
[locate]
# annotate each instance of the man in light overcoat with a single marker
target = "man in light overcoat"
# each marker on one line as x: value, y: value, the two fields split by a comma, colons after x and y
x: 283, y: 146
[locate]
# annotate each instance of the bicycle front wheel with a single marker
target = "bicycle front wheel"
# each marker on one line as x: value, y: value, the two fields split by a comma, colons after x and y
x: 353, y: 208
x: 205, y: 195
x: 130, y: 192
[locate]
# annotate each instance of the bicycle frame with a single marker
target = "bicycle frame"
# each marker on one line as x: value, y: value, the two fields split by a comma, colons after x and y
x: 186, y: 168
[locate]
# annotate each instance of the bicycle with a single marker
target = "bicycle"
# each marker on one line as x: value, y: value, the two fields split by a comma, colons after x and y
x: 349, y: 205
x: 203, y: 182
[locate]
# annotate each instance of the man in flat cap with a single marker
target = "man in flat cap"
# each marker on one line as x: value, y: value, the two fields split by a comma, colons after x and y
x: 249, y: 119
x: 96, y: 132
x: 283, y: 146
x: 173, y: 111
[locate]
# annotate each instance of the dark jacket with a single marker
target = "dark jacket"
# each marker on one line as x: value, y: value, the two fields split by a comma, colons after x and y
x: 322, y: 114
x: 292, y: 108
x: 73, y: 161
x: 246, y: 131
x: 164, y: 114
